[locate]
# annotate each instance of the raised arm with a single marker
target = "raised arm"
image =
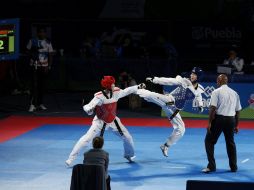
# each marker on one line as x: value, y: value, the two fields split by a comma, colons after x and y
x: 127, y: 91
x: 239, y: 64
x: 178, y: 80
x: 130, y: 90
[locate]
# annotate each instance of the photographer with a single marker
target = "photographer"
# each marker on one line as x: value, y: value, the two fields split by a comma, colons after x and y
x: 40, y: 51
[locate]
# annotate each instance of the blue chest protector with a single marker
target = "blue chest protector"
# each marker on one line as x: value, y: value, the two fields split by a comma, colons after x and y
x: 182, y: 95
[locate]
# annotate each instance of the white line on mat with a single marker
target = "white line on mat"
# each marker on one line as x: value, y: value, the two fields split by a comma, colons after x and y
x: 246, y: 160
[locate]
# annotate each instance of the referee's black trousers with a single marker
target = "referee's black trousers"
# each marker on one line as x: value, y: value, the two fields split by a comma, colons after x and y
x: 226, y: 125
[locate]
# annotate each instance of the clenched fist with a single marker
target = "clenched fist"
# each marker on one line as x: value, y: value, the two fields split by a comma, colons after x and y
x: 142, y: 86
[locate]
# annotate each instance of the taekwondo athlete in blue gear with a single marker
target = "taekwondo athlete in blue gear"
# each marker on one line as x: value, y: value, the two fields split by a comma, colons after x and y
x: 188, y: 89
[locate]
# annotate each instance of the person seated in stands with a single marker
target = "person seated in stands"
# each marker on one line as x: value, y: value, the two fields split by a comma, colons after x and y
x: 235, y: 62
x: 98, y: 156
x: 126, y: 80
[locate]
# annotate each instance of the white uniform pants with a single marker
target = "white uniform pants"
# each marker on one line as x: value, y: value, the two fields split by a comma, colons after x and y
x: 161, y: 100
x: 178, y: 125
x: 95, y: 130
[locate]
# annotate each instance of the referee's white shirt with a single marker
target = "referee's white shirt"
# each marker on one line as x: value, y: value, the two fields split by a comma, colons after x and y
x: 226, y: 101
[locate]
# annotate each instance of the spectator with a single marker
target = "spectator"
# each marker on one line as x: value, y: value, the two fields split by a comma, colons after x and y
x: 235, y: 62
x: 91, y: 47
x: 126, y: 80
x: 40, y: 51
x: 97, y: 156
x: 127, y: 46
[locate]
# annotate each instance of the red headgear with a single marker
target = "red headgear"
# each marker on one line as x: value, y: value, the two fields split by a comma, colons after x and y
x: 107, y: 81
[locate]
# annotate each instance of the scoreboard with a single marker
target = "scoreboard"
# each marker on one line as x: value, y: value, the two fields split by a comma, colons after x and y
x: 9, y: 39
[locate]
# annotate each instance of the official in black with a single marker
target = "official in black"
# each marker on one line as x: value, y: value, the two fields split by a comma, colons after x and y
x: 40, y: 51
x: 223, y: 117
x: 98, y: 156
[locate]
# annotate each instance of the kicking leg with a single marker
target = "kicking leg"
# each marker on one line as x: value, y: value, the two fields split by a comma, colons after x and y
x: 159, y: 99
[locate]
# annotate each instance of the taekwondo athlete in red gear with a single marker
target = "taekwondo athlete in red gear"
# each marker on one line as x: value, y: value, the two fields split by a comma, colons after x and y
x: 104, y: 104
x: 188, y: 89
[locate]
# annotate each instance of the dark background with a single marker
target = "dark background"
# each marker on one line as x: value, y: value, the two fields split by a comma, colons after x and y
x: 70, y: 21
x: 201, y: 31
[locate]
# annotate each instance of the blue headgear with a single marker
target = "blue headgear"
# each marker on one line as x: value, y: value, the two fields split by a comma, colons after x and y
x: 198, y: 71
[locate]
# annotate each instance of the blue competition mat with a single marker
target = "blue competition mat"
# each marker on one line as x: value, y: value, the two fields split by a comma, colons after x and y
x: 36, y: 159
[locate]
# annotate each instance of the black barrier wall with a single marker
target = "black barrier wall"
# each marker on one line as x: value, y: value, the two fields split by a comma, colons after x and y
x: 218, y: 185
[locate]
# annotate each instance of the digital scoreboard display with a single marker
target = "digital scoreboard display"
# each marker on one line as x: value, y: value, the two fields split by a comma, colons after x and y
x: 9, y: 39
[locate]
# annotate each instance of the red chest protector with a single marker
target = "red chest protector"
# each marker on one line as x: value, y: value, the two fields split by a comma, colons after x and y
x: 106, y: 112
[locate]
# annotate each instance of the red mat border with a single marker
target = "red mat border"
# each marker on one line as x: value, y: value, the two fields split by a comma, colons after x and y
x: 14, y: 126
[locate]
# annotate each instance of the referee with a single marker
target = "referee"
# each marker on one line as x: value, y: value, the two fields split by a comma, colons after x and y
x: 223, y: 117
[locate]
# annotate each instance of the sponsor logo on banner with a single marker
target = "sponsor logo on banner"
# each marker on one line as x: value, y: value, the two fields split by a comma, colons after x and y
x: 208, y: 91
x: 206, y: 98
x: 203, y: 33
